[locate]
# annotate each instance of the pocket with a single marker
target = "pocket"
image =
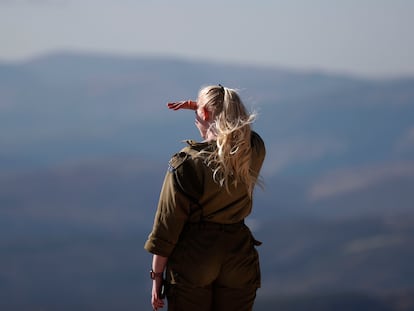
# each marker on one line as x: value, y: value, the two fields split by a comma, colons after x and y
x: 255, y: 259
x: 256, y: 242
x: 253, y: 239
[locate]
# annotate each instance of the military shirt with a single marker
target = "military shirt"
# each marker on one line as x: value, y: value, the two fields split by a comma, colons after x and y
x: 190, y: 194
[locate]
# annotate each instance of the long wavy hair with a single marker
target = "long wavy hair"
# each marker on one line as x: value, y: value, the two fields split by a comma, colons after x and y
x: 231, y: 160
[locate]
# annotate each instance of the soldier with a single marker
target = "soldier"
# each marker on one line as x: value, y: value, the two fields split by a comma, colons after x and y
x: 199, y: 240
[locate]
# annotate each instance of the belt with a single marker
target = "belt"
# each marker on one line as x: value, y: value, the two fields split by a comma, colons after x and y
x: 208, y: 225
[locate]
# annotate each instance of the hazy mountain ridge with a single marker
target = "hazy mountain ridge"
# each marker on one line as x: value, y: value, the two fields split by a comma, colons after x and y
x: 84, y: 145
x: 95, y: 105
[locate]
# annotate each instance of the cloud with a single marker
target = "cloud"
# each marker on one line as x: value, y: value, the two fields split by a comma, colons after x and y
x: 350, y: 180
x: 283, y: 154
x: 373, y: 243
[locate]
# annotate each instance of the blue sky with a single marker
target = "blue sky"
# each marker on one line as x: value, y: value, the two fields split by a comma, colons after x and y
x: 360, y: 37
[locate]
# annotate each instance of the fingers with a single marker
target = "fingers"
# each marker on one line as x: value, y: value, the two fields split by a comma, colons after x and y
x: 187, y: 104
x: 175, y: 106
x: 157, y: 303
x: 157, y: 306
x: 156, y: 300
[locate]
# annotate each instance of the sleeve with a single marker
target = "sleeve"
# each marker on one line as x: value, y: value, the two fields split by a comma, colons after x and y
x: 174, y: 208
x: 259, y: 152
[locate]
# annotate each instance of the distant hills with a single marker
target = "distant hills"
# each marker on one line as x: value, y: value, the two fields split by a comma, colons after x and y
x: 74, y: 105
x: 84, y: 144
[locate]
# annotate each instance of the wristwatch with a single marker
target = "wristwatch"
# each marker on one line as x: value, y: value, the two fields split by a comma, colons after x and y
x: 154, y: 275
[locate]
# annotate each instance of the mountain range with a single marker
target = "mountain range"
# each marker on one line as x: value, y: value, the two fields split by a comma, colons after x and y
x: 85, y: 140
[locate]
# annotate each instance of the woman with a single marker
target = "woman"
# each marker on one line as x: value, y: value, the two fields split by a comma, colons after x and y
x: 199, y: 236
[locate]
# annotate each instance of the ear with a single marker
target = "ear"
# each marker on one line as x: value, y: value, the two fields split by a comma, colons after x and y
x: 205, y: 114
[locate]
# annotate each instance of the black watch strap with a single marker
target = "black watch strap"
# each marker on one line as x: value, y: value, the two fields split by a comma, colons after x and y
x: 154, y: 275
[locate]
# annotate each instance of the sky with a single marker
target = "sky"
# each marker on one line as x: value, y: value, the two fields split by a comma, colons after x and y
x: 360, y: 37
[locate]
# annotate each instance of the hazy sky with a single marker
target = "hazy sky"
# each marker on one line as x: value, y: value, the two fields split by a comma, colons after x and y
x: 363, y: 37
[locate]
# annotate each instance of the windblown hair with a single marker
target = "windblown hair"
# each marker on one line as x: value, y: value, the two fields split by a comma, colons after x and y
x: 231, y: 160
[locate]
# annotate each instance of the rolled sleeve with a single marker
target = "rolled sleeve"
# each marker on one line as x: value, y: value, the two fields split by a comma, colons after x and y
x: 172, y: 213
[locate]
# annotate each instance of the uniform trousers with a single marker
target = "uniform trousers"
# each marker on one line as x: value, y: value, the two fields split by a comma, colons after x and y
x: 214, y: 267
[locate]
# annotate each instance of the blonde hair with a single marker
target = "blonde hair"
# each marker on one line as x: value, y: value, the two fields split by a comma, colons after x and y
x: 231, y: 160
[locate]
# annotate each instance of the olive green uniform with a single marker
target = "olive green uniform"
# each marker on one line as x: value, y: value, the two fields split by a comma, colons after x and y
x: 199, y: 226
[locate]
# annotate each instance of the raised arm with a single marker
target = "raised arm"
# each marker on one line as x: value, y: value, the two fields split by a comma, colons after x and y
x: 187, y: 104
